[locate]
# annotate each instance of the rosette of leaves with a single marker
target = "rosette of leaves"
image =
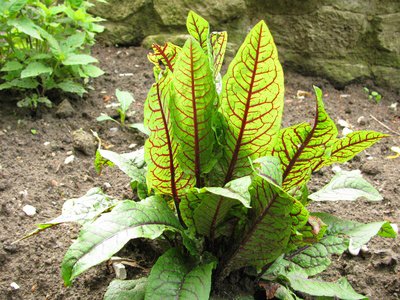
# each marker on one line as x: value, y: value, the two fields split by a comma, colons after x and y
x: 45, y: 45
x: 223, y: 182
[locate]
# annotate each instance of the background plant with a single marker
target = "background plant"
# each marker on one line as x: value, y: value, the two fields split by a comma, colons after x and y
x: 45, y: 45
x: 222, y: 184
x: 373, y: 95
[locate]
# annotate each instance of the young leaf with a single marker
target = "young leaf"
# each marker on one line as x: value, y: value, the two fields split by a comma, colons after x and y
x: 103, y: 117
x: 126, y: 289
x: 191, y: 109
x: 346, y: 148
x: 340, y: 289
x: 313, y: 150
x: 92, y: 71
x: 99, y: 240
x: 79, y: 59
x: 164, y: 173
x: 140, y: 127
x: 174, y: 277
x: 35, y: 69
x: 75, y: 41
x: 71, y: 87
x: 125, y: 99
x: 347, y: 186
x: 219, y: 41
x: 15, y: 5
x: 199, y: 29
x: 167, y: 55
x: 251, y: 102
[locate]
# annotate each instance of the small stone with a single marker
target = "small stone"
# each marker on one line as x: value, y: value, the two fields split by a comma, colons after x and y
x: 69, y: 159
x: 84, y: 142
x: 343, y: 123
x: 346, y: 131
x: 14, y: 286
x: 46, y: 143
x: 23, y: 194
x: 106, y: 186
x: 370, y: 168
x: 29, y: 210
x: 362, y: 121
x: 65, y: 110
x: 10, y: 248
x: 131, y: 146
x: 120, y: 271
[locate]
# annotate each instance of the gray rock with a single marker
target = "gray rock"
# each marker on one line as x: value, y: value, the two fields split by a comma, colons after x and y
x: 370, y: 167
x: 84, y: 142
x: 65, y: 110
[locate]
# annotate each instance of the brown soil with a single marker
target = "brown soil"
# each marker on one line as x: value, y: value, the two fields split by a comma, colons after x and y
x: 26, y: 164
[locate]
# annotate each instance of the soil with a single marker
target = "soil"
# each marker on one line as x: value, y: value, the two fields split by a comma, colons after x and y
x: 32, y: 171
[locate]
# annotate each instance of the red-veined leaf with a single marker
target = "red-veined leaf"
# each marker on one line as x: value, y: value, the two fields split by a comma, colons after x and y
x: 164, y: 174
x: 251, y: 101
x: 218, y: 44
x: 192, y: 108
x: 198, y: 28
x: 167, y: 55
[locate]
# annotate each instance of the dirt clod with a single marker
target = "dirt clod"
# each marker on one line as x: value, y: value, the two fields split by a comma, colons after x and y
x: 65, y: 110
x: 84, y: 142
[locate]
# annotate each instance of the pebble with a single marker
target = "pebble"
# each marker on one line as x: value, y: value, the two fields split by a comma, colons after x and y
x: 362, y: 121
x: 120, y: 271
x: 84, y: 142
x: 370, y: 168
x: 14, y: 286
x: 346, y: 131
x: 106, y: 185
x: 29, y: 210
x: 69, y: 159
x: 23, y: 194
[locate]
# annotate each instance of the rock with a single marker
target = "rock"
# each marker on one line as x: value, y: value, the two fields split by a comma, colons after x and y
x: 384, y: 258
x: 10, y: 248
x: 84, y: 142
x: 161, y: 39
x: 14, y: 286
x: 69, y: 159
x: 65, y: 110
x: 29, y: 210
x: 120, y: 271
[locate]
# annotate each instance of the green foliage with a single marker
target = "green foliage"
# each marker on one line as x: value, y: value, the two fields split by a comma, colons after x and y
x: 373, y: 95
x: 45, y: 45
x: 223, y: 183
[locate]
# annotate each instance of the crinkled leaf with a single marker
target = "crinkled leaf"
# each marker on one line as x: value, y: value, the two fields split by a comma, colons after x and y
x: 126, y: 289
x: 340, y: 289
x: 164, y: 173
x: 99, y: 240
x: 359, y: 233
x: 35, y: 69
x: 312, y: 150
x: 347, y: 186
x: 125, y: 99
x: 26, y: 26
x: 219, y: 41
x: 11, y: 66
x: 167, y: 55
x: 75, y: 41
x: 174, y: 277
x: 198, y: 28
x: 251, y: 102
x: 192, y: 108
x: 79, y: 59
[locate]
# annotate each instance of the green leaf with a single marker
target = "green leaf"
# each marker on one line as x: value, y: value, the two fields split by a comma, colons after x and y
x: 71, y: 87
x: 199, y: 29
x: 251, y: 102
x: 359, y: 233
x: 311, y: 153
x: 219, y: 41
x: 132, y: 163
x: 79, y: 59
x: 92, y: 71
x: 164, y: 173
x: 126, y: 289
x: 53, y: 44
x: 25, y: 83
x: 174, y: 277
x: 340, y: 289
x: 35, y: 69
x: 75, y: 41
x: 12, y: 66
x: 125, y: 100
x: 26, y: 26
x: 346, y: 148
x: 16, y: 5
x: 215, y: 203
x: 99, y: 240
x: 80, y: 210
x: 347, y: 186
x: 140, y: 127
x: 192, y: 108
x: 103, y: 117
